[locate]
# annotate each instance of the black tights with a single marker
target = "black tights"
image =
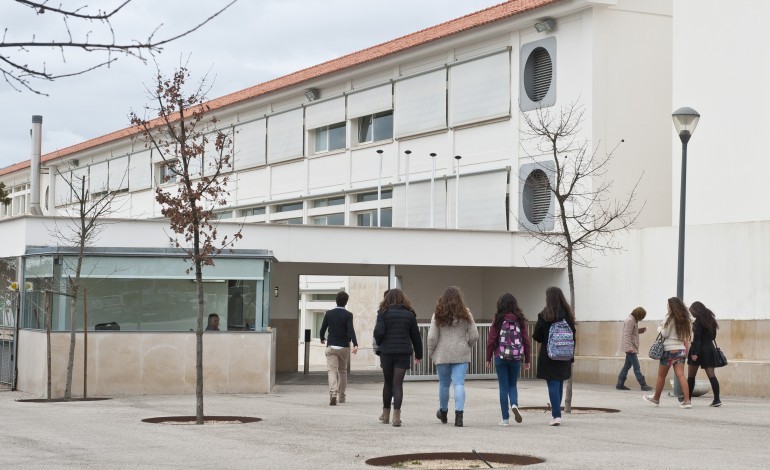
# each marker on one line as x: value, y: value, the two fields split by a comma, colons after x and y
x: 693, y: 369
x: 394, y: 387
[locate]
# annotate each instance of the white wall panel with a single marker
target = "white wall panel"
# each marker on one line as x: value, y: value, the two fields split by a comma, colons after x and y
x: 370, y: 101
x: 143, y: 206
x: 482, y: 201
x: 420, y: 104
x: 63, y: 194
x: 418, y: 207
x: 285, y: 136
x: 288, y: 179
x: 365, y: 166
x: 480, y: 90
x: 489, y: 143
x: 328, y: 171
x: 249, y: 144
x: 98, y: 175
x: 325, y: 113
x: 250, y: 185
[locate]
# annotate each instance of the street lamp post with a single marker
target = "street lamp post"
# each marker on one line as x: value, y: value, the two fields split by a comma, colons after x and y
x: 685, y: 122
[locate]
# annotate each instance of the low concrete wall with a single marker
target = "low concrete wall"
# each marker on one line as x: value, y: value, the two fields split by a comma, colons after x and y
x: 746, y: 343
x: 149, y: 363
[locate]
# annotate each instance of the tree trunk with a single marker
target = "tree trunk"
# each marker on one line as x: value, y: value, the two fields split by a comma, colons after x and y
x: 48, y: 309
x: 74, y: 290
x: 198, y: 335
x: 571, y: 280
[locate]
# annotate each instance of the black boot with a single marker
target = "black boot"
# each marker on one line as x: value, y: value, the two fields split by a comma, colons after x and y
x: 621, y: 384
x: 715, y: 391
x: 441, y: 414
x: 691, y: 385
x: 643, y: 384
x: 459, y: 419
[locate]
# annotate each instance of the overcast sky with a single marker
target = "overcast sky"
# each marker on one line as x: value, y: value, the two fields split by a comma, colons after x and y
x: 252, y: 42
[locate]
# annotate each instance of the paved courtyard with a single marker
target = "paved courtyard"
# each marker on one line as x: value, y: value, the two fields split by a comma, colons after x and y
x: 300, y: 430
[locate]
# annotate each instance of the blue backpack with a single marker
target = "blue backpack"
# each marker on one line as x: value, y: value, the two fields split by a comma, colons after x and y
x: 511, y: 347
x: 561, y: 341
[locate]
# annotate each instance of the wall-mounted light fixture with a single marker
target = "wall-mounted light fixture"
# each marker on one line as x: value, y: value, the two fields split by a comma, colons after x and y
x: 275, y: 291
x: 545, y: 26
x: 312, y: 94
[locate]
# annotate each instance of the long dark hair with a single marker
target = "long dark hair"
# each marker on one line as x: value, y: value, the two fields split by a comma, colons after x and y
x: 507, y: 304
x: 680, y: 317
x: 450, y: 307
x: 704, y: 316
x: 395, y: 297
x: 554, y: 302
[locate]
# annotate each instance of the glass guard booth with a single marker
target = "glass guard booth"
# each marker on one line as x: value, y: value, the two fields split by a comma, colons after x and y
x: 146, y: 289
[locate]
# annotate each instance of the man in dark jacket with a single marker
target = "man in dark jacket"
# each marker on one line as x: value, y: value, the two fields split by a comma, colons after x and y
x: 339, y: 322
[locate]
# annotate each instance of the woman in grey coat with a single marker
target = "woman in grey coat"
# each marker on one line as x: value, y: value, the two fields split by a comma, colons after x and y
x: 451, y: 336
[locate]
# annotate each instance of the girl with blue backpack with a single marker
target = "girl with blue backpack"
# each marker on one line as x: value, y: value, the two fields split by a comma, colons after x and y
x: 555, y: 331
x: 509, y: 342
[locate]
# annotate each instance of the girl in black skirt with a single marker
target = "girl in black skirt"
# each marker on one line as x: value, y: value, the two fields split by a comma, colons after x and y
x: 702, y: 352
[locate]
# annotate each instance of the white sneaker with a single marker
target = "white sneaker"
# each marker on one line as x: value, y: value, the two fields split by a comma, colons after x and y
x: 504, y: 423
x: 516, y: 413
x: 685, y: 404
x: 555, y: 422
x: 651, y: 399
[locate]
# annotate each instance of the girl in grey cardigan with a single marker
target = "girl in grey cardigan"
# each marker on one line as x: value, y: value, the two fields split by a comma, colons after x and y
x: 451, y: 336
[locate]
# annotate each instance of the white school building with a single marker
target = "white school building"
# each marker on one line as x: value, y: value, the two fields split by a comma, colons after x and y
x: 349, y: 168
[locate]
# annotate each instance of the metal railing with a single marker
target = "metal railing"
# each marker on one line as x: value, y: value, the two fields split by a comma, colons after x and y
x: 477, y: 367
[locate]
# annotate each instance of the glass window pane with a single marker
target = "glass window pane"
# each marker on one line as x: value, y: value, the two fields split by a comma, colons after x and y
x: 387, y: 217
x: 365, y: 129
x: 322, y: 139
x: 337, y: 201
x: 336, y: 137
x: 292, y: 206
x: 383, y: 126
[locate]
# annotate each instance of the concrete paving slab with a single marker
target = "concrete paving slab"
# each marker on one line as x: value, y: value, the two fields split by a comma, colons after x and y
x: 300, y: 430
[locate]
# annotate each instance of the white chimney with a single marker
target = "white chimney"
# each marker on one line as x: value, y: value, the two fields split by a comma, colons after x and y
x: 34, y: 178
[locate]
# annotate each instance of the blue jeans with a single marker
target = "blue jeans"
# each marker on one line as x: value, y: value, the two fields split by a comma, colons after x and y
x: 555, y: 392
x: 454, y: 373
x: 631, y: 361
x: 507, y: 375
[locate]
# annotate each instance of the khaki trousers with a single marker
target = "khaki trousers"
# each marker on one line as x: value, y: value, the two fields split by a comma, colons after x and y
x: 337, y: 365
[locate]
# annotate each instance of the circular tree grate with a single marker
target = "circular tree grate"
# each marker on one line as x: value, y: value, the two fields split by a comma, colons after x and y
x: 186, y: 420
x: 454, y: 460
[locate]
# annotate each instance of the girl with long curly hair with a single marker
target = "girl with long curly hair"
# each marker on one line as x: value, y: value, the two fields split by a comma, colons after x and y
x: 508, y: 318
x: 677, y: 333
x: 702, y: 353
x: 451, y: 336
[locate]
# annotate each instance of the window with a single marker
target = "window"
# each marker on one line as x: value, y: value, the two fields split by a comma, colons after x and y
x: 332, y: 201
x: 167, y: 171
x: 538, y: 65
x: 324, y: 297
x: 364, y: 197
x: 318, y: 318
x: 375, y: 127
x: 329, y: 138
x: 329, y: 219
x: 294, y: 221
x: 252, y: 211
x: 369, y: 218
x: 223, y: 215
x: 292, y: 206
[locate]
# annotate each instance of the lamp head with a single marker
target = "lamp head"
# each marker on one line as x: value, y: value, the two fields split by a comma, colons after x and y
x: 312, y: 94
x: 685, y: 122
x: 545, y: 26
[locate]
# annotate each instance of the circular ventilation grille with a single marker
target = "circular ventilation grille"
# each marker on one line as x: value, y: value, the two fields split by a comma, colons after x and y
x: 538, y: 74
x: 537, y: 196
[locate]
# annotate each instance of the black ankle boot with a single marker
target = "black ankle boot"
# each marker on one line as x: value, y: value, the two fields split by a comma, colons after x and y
x: 715, y: 391
x: 459, y: 419
x: 621, y: 384
x: 442, y: 415
x: 644, y: 386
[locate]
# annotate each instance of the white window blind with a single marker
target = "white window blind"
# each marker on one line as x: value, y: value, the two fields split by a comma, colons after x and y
x: 63, y: 193
x: 482, y: 201
x: 140, y: 174
x: 480, y: 90
x: 98, y: 177
x: 420, y: 104
x: 325, y: 113
x: 284, y: 136
x: 80, y: 182
x: 118, y: 174
x: 418, y: 207
x: 370, y: 101
x: 249, y: 146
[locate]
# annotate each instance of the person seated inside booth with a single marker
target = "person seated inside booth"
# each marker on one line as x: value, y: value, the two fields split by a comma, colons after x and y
x: 213, y: 322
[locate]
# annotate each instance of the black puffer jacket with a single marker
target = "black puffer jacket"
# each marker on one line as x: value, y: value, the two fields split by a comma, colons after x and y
x: 396, y: 332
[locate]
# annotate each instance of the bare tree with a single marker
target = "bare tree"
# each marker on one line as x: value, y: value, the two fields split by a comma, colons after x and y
x: 15, y: 55
x: 196, y: 155
x: 586, y: 218
x: 86, y: 218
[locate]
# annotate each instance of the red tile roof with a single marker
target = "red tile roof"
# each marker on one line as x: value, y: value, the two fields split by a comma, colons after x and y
x: 440, y: 31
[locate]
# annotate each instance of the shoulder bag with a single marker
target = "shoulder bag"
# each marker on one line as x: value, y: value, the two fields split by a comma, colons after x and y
x: 656, y: 350
x: 719, y: 357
